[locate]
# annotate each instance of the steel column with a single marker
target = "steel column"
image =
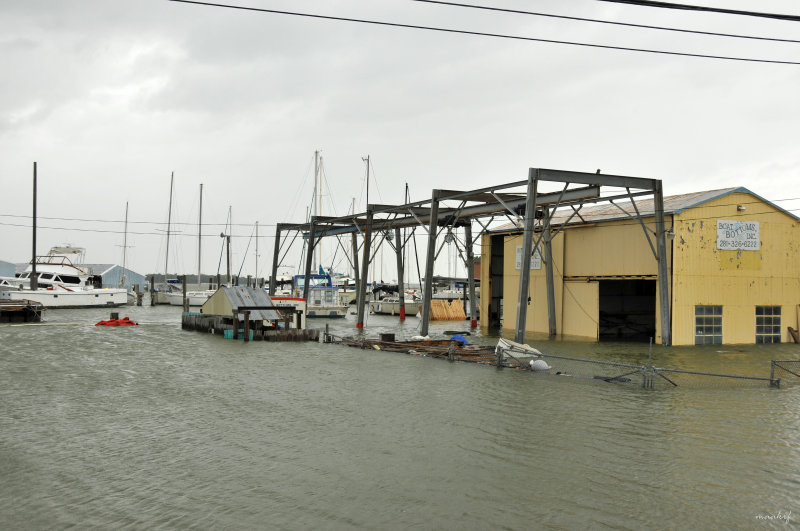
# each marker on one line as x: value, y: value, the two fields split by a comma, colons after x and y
x: 34, y: 275
x: 309, y: 259
x: 275, y: 257
x: 361, y: 298
x: 356, y: 274
x: 401, y: 289
x: 663, y: 272
x: 429, y: 260
x: 473, y: 303
x: 551, y: 288
x: 527, y: 245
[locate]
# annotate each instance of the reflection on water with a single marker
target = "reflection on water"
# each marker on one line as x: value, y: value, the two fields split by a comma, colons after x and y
x: 151, y: 426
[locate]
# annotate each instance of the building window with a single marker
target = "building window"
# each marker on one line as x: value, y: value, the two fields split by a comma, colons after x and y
x: 768, y: 324
x: 708, y: 325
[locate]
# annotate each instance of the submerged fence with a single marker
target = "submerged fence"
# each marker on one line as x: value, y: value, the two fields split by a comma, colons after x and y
x: 647, y: 376
x: 786, y: 370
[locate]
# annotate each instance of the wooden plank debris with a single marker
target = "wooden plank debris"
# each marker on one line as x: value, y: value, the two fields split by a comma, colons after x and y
x: 447, y: 310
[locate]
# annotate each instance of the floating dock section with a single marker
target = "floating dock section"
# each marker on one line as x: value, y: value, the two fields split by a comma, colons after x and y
x: 21, y: 311
x: 239, y: 312
x: 246, y: 329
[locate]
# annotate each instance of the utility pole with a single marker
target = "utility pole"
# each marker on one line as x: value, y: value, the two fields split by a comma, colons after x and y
x: 34, y: 276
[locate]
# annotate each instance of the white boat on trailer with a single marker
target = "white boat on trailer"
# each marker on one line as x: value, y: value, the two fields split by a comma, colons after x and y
x: 61, y: 284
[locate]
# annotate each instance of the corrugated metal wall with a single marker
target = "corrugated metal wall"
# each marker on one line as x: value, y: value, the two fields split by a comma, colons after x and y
x: 735, y: 280
x: 700, y: 273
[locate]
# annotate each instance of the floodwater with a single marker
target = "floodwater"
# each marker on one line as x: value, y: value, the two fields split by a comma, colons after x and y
x: 154, y: 427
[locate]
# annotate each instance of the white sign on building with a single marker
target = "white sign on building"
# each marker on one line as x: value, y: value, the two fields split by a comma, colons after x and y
x: 738, y: 235
x: 536, y: 259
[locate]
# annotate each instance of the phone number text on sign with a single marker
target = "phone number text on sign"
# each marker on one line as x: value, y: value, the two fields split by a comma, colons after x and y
x: 738, y: 235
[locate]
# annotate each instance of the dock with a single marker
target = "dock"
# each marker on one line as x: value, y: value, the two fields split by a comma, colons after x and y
x: 22, y: 311
x: 434, y: 348
x: 248, y: 331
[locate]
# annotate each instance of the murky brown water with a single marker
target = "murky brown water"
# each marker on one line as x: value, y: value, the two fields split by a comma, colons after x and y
x: 154, y: 427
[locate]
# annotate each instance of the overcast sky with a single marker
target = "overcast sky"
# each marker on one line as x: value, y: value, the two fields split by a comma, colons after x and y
x: 112, y: 96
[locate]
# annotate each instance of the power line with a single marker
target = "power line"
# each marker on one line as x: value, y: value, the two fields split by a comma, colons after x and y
x: 668, y: 5
x: 611, y: 22
x: 753, y: 201
x: 484, y: 34
x: 134, y: 233
x: 131, y: 222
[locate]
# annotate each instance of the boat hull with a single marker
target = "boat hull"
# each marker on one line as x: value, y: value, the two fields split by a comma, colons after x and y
x: 95, y: 298
x: 393, y: 307
x: 195, y: 298
x: 326, y: 311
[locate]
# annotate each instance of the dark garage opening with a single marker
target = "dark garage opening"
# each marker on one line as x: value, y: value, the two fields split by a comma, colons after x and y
x: 495, y: 290
x: 627, y: 310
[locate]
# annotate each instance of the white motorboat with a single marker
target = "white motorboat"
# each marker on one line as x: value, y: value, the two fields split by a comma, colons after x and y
x: 61, y: 284
x: 348, y: 290
x: 323, y: 296
x: 391, y: 305
x: 195, y: 297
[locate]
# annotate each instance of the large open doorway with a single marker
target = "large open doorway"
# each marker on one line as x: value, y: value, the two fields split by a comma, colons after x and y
x: 496, y: 283
x: 627, y: 310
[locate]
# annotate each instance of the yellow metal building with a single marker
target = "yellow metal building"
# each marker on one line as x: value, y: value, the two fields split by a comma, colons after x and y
x: 734, y: 272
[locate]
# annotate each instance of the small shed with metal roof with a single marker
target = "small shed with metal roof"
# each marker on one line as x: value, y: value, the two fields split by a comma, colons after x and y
x: 733, y: 271
x: 248, y: 313
x: 229, y: 298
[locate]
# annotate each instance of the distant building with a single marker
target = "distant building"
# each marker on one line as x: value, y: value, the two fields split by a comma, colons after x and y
x: 7, y: 269
x: 115, y: 276
x: 733, y: 275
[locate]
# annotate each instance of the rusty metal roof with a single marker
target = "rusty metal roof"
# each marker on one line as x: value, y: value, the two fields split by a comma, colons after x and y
x: 243, y: 297
x: 623, y: 209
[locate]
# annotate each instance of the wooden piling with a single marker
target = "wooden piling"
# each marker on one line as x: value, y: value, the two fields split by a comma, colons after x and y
x: 185, y: 297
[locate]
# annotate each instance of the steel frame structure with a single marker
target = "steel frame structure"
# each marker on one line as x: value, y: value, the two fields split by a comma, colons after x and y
x: 519, y: 201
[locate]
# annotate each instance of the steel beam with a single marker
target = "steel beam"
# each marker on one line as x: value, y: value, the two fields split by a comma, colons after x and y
x: 574, y: 196
x: 576, y: 177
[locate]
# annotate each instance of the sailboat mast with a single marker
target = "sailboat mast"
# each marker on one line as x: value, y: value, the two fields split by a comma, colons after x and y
x: 228, y: 243
x: 199, y: 234
x: 124, y: 248
x: 169, y: 221
x: 315, y: 209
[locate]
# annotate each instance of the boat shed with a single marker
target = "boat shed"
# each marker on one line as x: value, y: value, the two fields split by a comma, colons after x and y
x: 230, y: 298
x: 114, y: 276
x: 232, y: 307
x: 733, y: 271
